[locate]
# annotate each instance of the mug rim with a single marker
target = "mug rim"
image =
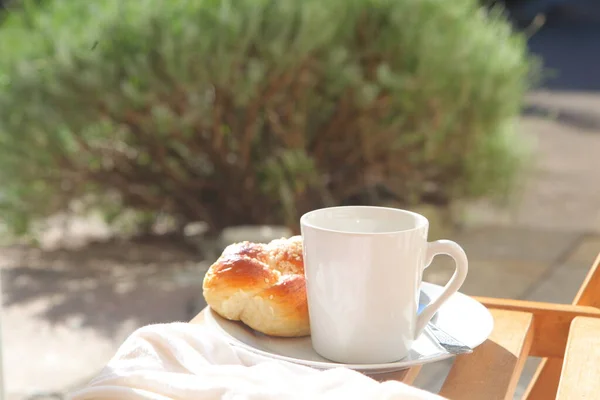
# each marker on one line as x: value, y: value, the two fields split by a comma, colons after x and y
x: 422, y: 221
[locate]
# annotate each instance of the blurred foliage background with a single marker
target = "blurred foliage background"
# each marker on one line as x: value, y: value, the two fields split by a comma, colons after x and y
x: 254, y: 111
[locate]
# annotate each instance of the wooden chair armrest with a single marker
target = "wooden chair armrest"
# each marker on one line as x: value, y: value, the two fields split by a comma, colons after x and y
x: 580, y: 379
x: 551, y: 321
x: 492, y: 371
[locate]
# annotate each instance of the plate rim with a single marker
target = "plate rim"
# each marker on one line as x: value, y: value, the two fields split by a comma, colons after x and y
x: 212, y: 318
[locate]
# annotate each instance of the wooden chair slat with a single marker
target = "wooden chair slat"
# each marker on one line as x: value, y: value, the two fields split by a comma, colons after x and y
x: 411, y: 375
x: 547, y: 376
x: 551, y: 321
x: 580, y: 378
x: 544, y: 383
x: 588, y: 294
x: 492, y: 371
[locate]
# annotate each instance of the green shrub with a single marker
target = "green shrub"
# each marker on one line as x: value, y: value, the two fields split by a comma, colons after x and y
x: 254, y: 111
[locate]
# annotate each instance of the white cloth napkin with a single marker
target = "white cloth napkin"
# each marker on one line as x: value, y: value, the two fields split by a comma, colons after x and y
x: 191, y: 362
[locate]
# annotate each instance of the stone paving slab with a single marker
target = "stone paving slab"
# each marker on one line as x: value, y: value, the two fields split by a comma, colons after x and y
x: 586, y: 252
x: 515, y: 243
x: 504, y: 261
x: 492, y: 278
x: 561, y: 193
x: 560, y: 285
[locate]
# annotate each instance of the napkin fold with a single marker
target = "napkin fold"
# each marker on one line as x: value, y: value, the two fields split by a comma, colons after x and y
x: 192, y: 362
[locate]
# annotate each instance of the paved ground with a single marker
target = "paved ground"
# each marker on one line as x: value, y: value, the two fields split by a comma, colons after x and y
x: 65, y: 312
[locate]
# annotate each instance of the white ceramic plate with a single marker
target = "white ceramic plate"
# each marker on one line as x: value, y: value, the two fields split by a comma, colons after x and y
x: 461, y: 316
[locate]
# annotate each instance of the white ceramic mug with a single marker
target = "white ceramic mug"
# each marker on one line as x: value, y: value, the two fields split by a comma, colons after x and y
x: 363, y: 269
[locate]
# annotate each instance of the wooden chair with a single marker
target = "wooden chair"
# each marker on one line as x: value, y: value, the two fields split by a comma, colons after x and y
x: 544, y: 384
x: 566, y: 336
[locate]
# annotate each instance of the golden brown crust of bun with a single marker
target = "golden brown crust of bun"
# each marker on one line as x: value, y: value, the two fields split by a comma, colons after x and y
x: 261, y: 285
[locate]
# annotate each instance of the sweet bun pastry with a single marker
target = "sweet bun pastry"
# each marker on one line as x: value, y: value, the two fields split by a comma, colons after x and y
x: 261, y: 285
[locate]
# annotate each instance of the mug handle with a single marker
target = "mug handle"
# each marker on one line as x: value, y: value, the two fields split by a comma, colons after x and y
x: 452, y: 249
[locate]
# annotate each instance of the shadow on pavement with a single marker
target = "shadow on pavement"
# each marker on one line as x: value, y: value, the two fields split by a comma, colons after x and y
x: 102, y: 285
